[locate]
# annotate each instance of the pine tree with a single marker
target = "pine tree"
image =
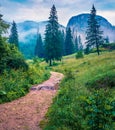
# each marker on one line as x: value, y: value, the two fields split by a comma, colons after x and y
x: 39, y: 51
x: 62, y: 40
x: 13, y: 39
x: 3, y: 25
x: 76, y: 44
x: 80, y: 46
x: 69, y: 46
x: 3, y: 46
x: 94, y: 35
x: 53, y: 50
x: 107, y: 40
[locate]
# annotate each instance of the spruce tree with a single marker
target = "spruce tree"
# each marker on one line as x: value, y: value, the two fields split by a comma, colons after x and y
x: 3, y: 46
x: 53, y: 50
x: 107, y: 40
x: 69, y: 46
x: 39, y: 51
x: 13, y: 39
x: 62, y: 40
x: 3, y: 25
x: 80, y: 46
x: 76, y: 44
x: 94, y: 35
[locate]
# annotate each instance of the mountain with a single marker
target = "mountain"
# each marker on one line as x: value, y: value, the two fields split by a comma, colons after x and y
x: 78, y: 25
x: 27, y: 31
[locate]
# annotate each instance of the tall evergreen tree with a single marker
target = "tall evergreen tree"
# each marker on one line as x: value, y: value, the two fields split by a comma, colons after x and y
x: 3, y: 25
x: 13, y: 39
x: 62, y: 39
x: 94, y: 35
x: 53, y: 50
x: 80, y: 46
x: 69, y: 46
x: 76, y: 44
x: 39, y: 51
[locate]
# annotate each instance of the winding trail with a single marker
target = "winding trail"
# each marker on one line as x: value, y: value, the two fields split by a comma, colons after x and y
x: 27, y: 112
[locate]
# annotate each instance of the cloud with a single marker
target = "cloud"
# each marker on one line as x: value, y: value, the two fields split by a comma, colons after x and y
x: 109, y: 15
x: 38, y: 10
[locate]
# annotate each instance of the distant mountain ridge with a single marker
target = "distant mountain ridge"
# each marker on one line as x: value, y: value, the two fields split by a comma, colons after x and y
x: 78, y: 25
x: 27, y: 31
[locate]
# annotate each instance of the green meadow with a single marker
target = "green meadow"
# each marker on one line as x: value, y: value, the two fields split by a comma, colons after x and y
x: 86, y: 98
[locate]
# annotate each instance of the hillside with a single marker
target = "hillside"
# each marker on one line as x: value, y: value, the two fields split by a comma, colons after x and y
x: 87, y: 94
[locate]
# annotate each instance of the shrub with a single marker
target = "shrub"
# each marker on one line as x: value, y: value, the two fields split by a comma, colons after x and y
x: 99, y: 111
x: 16, y: 83
x: 10, y: 57
x: 79, y: 54
x: 110, y: 46
x: 16, y: 63
x: 105, y: 80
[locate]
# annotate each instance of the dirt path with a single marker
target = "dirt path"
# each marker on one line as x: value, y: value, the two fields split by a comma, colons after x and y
x: 27, y: 112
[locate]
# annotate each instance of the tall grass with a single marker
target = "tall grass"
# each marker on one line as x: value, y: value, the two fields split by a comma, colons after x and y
x: 16, y: 83
x: 84, y: 101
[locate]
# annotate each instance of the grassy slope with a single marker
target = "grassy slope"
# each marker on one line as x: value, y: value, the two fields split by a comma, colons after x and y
x: 68, y: 105
x: 16, y: 83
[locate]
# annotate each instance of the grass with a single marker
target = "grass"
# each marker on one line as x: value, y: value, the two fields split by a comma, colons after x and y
x: 81, y: 104
x: 16, y: 83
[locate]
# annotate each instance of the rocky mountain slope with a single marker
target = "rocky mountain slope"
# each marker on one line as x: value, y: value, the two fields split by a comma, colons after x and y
x: 27, y: 31
x: 78, y: 25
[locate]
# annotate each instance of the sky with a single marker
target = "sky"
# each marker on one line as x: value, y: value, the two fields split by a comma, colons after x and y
x: 38, y: 10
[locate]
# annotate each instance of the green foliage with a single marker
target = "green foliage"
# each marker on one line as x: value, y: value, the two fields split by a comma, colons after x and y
x: 64, y: 109
x: 39, y: 50
x: 105, y: 80
x: 62, y: 40
x: 101, y: 49
x: 10, y: 57
x: 76, y: 44
x: 13, y: 39
x: 69, y: 46
x: 17, y: 63
x: 110, y: 46
x: 80, y: 46
x: 78, y: 105
x: 94, y: 35
x: 16, y: 83
x: 3, y: 26
x: 79, y: 54
x: 53, y: 48
x: 99, y: 110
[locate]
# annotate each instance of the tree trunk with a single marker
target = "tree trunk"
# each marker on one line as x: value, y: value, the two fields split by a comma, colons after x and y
x: 97, y: 46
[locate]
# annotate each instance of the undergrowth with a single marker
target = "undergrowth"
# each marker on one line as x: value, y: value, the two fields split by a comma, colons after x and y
x: 16, y: 83
x: 86, y: 98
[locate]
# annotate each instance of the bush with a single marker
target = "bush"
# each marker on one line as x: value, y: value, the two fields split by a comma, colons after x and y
x: 79, y: 54
x: 16, y: 83
x: 105, y: 80
x: 99, y: 111
x: 10, y: 57
x: 17, y: 63
x: 110, y: 46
